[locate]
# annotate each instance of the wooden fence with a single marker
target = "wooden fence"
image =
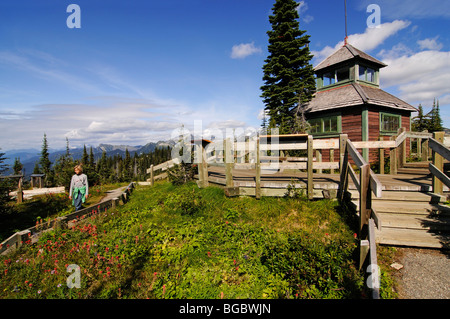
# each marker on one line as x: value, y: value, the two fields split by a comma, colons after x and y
x: 32, y: 234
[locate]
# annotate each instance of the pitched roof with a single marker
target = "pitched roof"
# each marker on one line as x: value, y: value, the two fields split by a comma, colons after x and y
x: 354, y: 94
x: 347, y: 52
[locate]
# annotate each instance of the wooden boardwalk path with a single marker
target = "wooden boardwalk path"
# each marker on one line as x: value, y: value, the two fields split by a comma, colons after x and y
x: 410, y: 214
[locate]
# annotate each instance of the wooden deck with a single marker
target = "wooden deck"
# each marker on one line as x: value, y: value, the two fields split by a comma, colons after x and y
x: 410, y: 215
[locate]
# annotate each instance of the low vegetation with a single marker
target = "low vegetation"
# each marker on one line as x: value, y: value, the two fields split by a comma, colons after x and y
x: 185, y: 242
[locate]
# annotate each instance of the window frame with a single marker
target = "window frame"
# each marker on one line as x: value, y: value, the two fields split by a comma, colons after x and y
x: 366, y: 68
x: 322, y: 119
x: 386, y: 132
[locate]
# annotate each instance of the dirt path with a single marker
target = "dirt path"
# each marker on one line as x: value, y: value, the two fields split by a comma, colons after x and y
x: 425, y: 274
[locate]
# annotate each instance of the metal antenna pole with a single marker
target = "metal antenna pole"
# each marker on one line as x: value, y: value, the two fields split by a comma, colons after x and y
x: 346, y: 36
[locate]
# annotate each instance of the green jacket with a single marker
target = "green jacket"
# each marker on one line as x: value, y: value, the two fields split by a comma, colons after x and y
x: 82, y: 193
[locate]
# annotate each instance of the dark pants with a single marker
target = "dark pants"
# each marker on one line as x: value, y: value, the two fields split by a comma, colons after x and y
x: 78, y: 201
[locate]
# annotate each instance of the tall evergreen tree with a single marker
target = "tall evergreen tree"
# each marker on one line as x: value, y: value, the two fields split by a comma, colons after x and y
x: 63, y: 168
x: 437, y: 120
x: 18, y: 166
x: 45, y: 163
x: 85, y: 157
x: 288, y: 74
x: 419, y: 123
x: 4, y: 185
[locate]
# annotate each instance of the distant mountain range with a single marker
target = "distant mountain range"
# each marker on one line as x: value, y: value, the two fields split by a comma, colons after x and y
x: 28, y: 157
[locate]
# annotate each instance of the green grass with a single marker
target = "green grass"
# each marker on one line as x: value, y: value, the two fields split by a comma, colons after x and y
x: 186, y: 242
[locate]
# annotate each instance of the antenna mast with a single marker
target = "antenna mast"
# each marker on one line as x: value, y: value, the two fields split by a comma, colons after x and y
x: 346, y: 36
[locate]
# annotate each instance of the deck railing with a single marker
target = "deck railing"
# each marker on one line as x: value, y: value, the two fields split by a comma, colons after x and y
x: 439, y: 153
x: 366, y: 184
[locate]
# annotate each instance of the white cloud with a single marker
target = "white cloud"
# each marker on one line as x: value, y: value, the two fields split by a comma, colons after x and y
x: 302, y: 8
x: 430, y: 44
x: 243, y: 50
x: 369, y: 40
x: 420, y: 76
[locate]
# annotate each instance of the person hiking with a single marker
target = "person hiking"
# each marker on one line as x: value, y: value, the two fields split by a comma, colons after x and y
x: 79, y: 188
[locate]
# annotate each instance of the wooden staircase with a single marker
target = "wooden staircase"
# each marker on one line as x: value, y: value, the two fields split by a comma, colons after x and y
x: 411, y: 218
x: 419, y: 168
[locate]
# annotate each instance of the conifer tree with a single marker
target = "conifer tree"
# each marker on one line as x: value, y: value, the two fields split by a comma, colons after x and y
x: 18, y: 166
x: 4, y: 185
x: 85, y: 157
x: 63, y: 169
x: 45, y: 163
x: 288, y: 74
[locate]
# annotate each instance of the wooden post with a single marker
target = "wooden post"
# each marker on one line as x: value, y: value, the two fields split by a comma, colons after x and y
x: 419, y: 147
x: 204, y: 166
x: 258, y: 171
x: 403, y: 150
x: 332, y: 159
x: 20, y: 192
x: 438, y: 161
x: 229, y: 161
x: 114, y: 202
x: 393, y: 158
x: 152, y: 175
x: 343, y: 166
x: 365, y: 200
x: 425, y: 150
x: 381, y: 150
x: 198, y: 156
x: 319, y: 160
x: 342, y: 147
x: 309, y: 165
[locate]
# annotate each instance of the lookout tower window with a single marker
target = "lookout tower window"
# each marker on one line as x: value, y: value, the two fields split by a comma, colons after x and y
x: 366, y: 74
x: 328, y: 79
x: 342, y: 74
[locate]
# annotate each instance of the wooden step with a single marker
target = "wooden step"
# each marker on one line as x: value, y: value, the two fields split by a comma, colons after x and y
x: 407, y: 207
x: 413, y: 171
x: 405, y: 196
x: 416, y: 165
x: 413, y: 221
x: 412, y: 238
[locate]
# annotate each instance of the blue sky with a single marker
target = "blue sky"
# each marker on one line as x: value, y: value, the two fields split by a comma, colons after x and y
x: 137, y: 70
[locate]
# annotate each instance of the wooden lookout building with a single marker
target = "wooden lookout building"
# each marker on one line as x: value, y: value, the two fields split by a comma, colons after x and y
x: 349, y: 100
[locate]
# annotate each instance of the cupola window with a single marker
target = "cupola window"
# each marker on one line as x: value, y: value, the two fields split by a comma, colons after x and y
x: 366, y: 74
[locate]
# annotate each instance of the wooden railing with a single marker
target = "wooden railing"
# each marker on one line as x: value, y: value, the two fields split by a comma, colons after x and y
x: 160, y: 167
x: 32, y: 234
x: 249, y: 155
x: 366, y: 184
x: 439, y: 153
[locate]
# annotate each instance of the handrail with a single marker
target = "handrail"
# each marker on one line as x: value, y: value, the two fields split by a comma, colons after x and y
x: 367, y: 183
x: 439, y: 148
x: 440, y: 152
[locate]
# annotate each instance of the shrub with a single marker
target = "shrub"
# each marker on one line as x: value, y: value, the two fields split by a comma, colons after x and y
x: 313, y: 268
